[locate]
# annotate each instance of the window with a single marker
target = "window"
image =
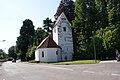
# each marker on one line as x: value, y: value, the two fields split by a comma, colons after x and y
x: 56, y: 52
x: 64, y: 28
x: 54, y: 30
x: 59, y: 30
x: 63, y: 18
x: 42, y: 53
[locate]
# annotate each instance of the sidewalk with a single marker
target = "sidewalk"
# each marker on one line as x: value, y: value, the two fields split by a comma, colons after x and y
x: 108, y: 61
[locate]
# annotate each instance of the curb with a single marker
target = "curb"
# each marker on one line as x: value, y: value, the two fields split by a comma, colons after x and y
x: 110, y: 61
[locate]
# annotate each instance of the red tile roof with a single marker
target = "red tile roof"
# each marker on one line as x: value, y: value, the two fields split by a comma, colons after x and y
x: 48, y: 42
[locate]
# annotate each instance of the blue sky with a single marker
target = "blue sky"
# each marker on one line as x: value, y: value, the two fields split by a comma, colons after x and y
x: 14, y: 12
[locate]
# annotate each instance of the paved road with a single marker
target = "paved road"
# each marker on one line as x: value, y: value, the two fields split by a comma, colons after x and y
x: 29, y: 71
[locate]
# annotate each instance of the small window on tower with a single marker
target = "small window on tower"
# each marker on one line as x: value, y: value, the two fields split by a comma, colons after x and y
x: 64, y: 28
x: 56, y: 52
x: 54, y: 30
x: 42, y: 53
x: 63, y: 18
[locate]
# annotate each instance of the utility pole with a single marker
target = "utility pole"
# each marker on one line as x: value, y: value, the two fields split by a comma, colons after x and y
x: 94, y: 47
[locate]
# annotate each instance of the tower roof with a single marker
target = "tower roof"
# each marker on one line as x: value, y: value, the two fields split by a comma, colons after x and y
x: 48, y: 42
x: 62, y: 15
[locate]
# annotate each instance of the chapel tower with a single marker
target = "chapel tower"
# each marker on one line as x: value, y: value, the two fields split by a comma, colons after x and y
x: 62, y: 35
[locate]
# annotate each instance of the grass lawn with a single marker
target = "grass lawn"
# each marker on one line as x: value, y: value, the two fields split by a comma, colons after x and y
x: 71, y: 62
x: 79, y: 62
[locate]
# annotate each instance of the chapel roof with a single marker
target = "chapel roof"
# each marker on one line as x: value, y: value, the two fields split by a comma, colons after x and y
x: 48, y: 42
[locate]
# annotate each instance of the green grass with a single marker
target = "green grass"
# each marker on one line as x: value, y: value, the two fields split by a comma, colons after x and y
x: 32, y: 61
x: 79, y: 62
x: 70, y: 62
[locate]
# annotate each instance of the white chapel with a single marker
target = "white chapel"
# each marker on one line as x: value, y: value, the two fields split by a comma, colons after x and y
x: 59, y: 45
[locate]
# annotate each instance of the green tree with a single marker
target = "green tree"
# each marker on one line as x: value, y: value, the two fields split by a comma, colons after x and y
x: 109, y: 41
x: 116, y: 38
x: 31, y: 53
x: 114, y: 19
x: 40, y: 34
x: 114, y: 12
x: 48, y: 25
x: 2, y: 54
x: 26, y: 38
x: 104, y: 13
x: 86, y: 21
x: 11, y: 52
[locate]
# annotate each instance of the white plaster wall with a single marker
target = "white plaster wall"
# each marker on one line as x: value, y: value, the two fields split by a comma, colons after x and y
x: 43, y: 59
x: 55, y: 34
x: 51, y: 52
x: 49, y: 55
x: 59, y: 56
x: 37, y: 55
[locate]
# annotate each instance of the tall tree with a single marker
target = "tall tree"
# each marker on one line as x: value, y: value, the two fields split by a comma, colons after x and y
x: 86, y: 21
x: 48, y: 25
x: 114, y: 12
x: 101, y: 6
x: 114, y: 19
x: 104, y: 13
x: 26, y: 37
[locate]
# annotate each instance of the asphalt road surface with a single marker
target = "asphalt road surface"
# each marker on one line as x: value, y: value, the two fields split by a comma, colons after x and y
x: 30, y: 71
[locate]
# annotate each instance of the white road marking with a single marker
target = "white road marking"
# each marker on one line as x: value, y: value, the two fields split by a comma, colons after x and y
x: 58, y: 68
x: 89, y: 72
x: 3, y: 79
x: 115, y: 74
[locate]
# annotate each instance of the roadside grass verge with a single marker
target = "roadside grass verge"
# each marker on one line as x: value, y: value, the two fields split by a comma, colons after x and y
x: 70, y: 62
x: 79, y: 62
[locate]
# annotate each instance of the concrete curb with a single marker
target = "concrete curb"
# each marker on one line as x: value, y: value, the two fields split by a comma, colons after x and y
x: 109, y: 61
